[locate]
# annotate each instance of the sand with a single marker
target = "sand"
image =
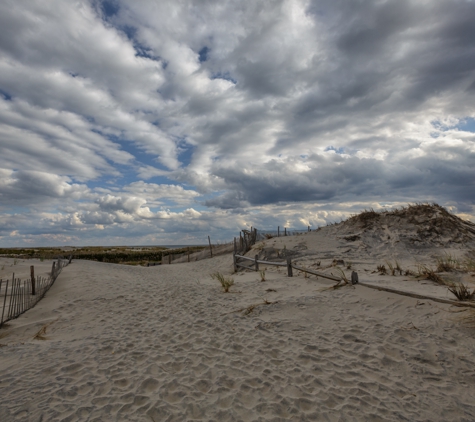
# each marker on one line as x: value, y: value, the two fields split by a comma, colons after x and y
x: 127, y: 343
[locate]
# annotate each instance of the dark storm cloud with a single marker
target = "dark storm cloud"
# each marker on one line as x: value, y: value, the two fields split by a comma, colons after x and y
x: 345, y: 179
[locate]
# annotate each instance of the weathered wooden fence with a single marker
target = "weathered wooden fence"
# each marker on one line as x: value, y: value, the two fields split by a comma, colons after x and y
x: 248, y: 238
x: 17, y: 296
x: 190, y: 256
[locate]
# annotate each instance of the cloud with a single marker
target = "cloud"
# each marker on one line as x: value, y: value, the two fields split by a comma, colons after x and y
x: 120, y: 118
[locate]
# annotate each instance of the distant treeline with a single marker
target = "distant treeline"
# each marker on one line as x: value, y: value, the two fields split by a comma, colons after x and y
x: 116, y: 255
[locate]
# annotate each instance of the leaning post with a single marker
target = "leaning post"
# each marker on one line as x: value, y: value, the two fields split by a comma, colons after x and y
x: 210, y: 247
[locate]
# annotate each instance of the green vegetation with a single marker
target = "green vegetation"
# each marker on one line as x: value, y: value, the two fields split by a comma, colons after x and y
x: 116, y: 255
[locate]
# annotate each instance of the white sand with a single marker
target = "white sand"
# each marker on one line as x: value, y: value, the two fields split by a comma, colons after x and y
x: 162, y: 344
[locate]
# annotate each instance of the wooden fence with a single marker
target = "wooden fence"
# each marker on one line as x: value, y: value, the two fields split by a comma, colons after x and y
x: 17, y: 296
x: 190, y: 256
x: 253, y: 264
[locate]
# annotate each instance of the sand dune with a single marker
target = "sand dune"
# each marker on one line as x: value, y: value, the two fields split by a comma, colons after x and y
x: 166, y: 344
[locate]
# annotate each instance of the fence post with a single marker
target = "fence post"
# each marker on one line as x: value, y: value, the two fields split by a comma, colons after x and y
x: 188, y: 254
x: 278, y: 231
x: 308, y: 228
x: 210, y: 247
x: 169, y: 258
x: 256, y: 263
x: 289, y: 267
x: 11, y: 306
x: 4, y: 303
x: 70, y: 259
x: 53, y: 270
x: 32, y: 275
x: 285, y: 231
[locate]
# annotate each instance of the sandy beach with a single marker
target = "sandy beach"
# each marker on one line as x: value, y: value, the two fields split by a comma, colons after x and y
x: 165, y: 343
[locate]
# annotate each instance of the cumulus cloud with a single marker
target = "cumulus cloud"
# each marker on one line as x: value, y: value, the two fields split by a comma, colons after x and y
x: 131, y: 118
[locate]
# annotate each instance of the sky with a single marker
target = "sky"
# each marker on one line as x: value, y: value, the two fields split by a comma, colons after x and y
x: 156, y: 122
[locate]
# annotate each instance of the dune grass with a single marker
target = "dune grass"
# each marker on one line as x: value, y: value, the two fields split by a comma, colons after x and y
x: 461, y: 291
x: 226, y: 282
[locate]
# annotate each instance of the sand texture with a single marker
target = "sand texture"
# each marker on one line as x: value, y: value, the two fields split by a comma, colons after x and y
x: 166, y: 344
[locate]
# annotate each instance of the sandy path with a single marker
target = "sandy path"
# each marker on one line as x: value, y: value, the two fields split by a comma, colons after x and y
x: 161, y: 344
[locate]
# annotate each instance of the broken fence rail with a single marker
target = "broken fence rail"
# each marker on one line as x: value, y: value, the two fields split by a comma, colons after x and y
x: 288, y: 264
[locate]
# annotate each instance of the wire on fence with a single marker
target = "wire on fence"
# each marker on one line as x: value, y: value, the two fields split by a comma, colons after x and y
x: 17, y: 296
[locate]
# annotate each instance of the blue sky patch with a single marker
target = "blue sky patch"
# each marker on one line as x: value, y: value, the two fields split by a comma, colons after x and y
x: 467, y: 125
x: 340, y: 150
x: 110, y: 8
x: 6, y: 96
x: 203, y: 54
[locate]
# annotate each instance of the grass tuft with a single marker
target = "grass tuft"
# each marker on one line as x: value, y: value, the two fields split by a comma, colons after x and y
x: 226, y: 282
x: 262, y: 273
x: 462, y: 292
x: 447, y: 263
x: 430, y: 274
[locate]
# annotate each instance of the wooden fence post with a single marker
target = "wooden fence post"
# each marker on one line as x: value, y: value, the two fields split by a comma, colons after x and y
x: 256, y: 263
x: 32, y: 275
x: 210, y: 247
x: 240, y: 242
x: 169, y: 258
x: 53, y: 270
x: 308, y: 228
x: 188, y: 254
x: 4, y: 303
x: 285, y: 231
x: 70, y: 259
x: 289, y: 267
x: 278, y: 231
